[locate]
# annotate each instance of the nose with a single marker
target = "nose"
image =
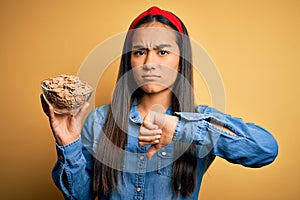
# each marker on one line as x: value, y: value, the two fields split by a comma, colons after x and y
x: 149, y: 63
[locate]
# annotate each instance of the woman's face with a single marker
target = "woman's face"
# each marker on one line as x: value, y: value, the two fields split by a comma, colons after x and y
x: 155, y: 57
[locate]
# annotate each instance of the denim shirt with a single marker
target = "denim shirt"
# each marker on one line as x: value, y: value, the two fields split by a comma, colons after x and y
x: 140, y: 178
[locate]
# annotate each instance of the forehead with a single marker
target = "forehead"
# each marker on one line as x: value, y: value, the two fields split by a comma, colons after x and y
x: 154, y: 34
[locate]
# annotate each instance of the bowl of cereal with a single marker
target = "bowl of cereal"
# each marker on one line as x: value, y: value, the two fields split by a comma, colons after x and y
x: 66, y: 93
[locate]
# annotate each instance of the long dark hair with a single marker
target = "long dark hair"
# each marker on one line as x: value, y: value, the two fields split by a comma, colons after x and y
x: 184, y: 168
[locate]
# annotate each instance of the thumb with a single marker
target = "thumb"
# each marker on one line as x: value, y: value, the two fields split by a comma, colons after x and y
x: 45, y: 105
x: 151, y: 151
x: 80, y: 115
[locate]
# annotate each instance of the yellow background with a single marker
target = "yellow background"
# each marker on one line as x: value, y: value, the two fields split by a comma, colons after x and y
x: 255, y: 45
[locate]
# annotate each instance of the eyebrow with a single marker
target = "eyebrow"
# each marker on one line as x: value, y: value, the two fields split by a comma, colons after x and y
x: 160, y: 46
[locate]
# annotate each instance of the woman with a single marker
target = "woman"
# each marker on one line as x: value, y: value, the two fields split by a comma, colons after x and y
x: 151, y: 142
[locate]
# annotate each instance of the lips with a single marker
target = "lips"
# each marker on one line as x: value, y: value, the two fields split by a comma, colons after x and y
x: 150, y: 77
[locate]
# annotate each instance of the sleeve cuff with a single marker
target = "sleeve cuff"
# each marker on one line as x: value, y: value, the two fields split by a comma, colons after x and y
x: 186, y: 131
x: 69, y: 153
x: 176, y: 136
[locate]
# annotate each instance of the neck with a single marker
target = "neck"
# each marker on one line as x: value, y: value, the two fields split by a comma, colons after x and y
x: 158, y: 101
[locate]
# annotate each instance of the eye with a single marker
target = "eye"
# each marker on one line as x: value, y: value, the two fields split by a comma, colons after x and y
x: 163, y: 52
x: 139, y: 52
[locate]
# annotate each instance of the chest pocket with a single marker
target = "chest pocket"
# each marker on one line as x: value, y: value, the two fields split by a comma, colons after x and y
x: 165, y: 160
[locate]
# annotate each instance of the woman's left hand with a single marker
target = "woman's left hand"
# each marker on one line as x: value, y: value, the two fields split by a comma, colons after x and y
x: 158, y: 130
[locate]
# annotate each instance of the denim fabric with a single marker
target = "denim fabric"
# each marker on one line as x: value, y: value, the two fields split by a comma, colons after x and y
x: 252, y: 146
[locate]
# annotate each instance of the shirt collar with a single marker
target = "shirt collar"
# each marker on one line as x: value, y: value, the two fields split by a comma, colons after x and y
x: 135, y: 116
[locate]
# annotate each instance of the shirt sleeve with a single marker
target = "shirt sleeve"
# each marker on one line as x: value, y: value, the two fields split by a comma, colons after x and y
x: 252, y: 146
x: 73, y: 170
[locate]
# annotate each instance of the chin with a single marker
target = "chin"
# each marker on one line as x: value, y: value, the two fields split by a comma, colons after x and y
x: 153, y: 89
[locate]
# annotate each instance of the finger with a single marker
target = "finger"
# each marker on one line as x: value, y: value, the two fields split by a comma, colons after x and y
x: 146, y: 132
x: 149, y: 125
x: 148, y: 138
x: 51, y: 114
x: 159, y: 119
x: 155, y: 118
x: 141, y: 143
x: 149, y: 121
x: 151, y: 151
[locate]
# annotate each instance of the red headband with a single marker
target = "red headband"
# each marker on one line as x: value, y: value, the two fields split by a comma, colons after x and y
x: 157, y: 11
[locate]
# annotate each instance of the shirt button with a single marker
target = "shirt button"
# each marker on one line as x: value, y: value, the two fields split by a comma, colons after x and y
x: 61, y: 157
x: 142, y: 157
x: 163, y: 153
x: 138, y: 189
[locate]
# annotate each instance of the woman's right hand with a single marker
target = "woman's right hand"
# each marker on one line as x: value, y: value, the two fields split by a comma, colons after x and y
x: 66, y: 128
x: 158, y: 130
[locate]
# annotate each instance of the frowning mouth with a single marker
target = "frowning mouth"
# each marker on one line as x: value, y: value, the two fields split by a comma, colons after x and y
x: 150, y: 77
